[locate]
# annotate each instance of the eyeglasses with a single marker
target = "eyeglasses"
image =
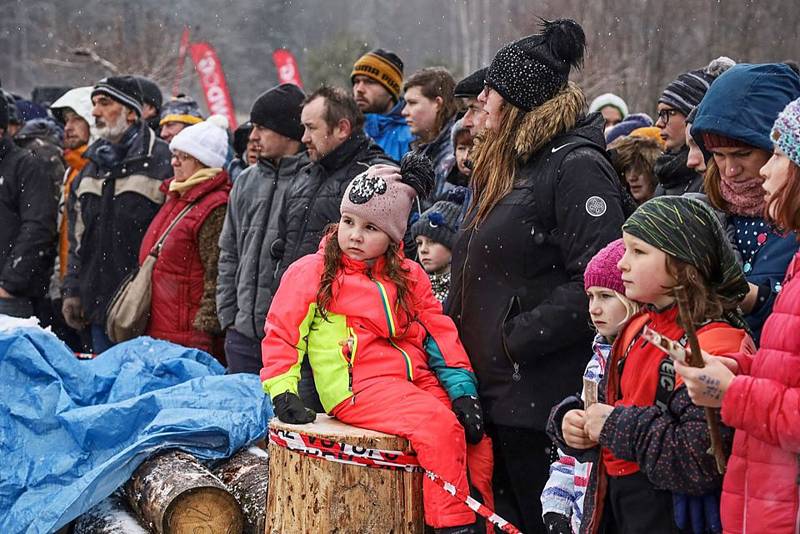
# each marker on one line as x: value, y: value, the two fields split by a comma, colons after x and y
x: 665, y: 114
x: 181, y: 156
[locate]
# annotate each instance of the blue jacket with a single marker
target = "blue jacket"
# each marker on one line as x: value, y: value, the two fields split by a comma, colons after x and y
x: 765, y: 258
x: 744, y: 102
x: 390, y: 131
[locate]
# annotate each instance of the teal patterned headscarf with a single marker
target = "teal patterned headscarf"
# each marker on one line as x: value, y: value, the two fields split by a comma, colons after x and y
x: 688, y: 230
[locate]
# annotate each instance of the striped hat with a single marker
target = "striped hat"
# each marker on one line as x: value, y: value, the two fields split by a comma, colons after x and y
x: 384, y: 67
x: 688, y: 89
x: 181, y: 108
x: 124, y: 89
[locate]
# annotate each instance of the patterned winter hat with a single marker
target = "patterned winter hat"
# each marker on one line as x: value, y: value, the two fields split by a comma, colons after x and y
x: 383, y: 66
x: 602, y: 270
x: 786, y: 132
x: 181, y: 108
x: 687, y: 90
x: 532, y: 70
x: 439, y: 223
x: 688, y: 230
x: 383, y: 194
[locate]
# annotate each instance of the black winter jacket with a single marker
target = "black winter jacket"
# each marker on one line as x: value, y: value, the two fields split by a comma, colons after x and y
x: 27, y: 222
x: 517, y: 294
x: 110, y: 207
x: 314, y: 197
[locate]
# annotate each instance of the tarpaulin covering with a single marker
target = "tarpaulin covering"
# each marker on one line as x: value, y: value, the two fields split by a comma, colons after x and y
x: 72, y: 431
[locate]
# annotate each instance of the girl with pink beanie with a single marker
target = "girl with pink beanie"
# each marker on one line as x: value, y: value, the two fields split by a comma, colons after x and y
x: 383, y: 355
x: 609, y: 310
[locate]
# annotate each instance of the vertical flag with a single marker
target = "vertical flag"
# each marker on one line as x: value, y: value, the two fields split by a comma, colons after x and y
x: 182, y: 49
x: 212, y: 78
x: 286, y: 66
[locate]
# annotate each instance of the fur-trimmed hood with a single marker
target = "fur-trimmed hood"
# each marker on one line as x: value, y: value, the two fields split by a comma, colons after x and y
x: 556, y: 116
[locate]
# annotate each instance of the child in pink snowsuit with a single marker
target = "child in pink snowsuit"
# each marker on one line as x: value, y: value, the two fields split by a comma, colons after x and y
x: 383, y: 355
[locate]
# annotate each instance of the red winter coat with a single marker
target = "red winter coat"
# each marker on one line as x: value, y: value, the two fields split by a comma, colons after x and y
x: 178, y: 272
x: 761, y: 492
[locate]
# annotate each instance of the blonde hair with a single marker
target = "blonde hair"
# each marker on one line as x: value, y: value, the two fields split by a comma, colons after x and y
x: 631, y: 308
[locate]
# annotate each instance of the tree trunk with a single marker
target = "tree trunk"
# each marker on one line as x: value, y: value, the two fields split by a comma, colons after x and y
x: 110, y: 516
x: 174, y: 494
x: 308, y: 494
x: 246, y: 475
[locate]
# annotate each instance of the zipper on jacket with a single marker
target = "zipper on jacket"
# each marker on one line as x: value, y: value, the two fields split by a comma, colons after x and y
x: 516, y: 376
x: 349, y: 348
x: 391, y: 324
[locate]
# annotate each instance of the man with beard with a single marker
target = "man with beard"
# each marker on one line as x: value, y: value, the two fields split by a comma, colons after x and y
x: 111, y: 204
x: 377, y: 80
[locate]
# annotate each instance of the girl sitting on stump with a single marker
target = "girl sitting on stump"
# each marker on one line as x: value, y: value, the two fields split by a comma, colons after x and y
x: 384, y: 357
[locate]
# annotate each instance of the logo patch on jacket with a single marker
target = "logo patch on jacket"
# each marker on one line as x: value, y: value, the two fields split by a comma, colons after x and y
x: 596, y: 206
x: 365, y: 187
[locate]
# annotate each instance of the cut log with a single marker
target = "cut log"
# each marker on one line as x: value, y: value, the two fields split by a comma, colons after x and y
x: 308, y: 494
x: 246, y: 474
x: 174, y: 494
x: 110, y: 516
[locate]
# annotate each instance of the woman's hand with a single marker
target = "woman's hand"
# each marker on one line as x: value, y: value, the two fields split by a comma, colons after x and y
x: 596, y: 417
x: 707, y: 385
x: 572, y: 429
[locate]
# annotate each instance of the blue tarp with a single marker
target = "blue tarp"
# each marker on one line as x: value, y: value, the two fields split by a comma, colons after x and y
x: 72, y: 431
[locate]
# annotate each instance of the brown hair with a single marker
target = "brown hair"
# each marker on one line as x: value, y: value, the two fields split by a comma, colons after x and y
x: 637, y: 153
x: 393, y: 270
x: 704, y: 303
x: 339, y: 104
x: 786, y: 202
x: 495, y: 164
x: 711, y: 180
x: 433, y: 82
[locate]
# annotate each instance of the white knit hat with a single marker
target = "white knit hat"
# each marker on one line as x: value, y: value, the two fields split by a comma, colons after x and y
x: 205, y: 141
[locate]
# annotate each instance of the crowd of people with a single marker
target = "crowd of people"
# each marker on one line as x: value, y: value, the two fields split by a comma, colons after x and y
x: 453, y: 261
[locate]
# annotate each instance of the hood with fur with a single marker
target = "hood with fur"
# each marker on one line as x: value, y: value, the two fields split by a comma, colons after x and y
x: 556, y: 116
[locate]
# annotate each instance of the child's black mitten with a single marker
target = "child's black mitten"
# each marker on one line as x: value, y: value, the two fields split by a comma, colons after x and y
x: 290, y: 409
x: 557, y: 523
x: 469, y: 414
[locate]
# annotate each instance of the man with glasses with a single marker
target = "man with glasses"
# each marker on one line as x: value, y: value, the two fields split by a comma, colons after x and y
x: 111, y: 204
x: 679, y: 98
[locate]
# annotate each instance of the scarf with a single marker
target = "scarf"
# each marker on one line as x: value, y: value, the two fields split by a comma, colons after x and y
x: 744, y: 197
x: 440, y: 283
x: 671, y: 170
x: 203, y: 175
x: 76, y: 161
x: 688, y: 230
x: 108, y: 155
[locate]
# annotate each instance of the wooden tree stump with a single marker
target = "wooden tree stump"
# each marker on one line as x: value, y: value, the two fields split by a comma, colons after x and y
x: 110, y: 516
x: 174, y: 494
x: 308, y: 494
x: 246, y: 474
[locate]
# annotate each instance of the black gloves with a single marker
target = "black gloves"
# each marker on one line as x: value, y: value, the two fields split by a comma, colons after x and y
x: 290, y: 409
x: 469, y: 414
x: 557, y: 523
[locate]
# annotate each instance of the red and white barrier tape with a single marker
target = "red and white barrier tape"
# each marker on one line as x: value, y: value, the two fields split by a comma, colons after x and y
x: 350, y: 454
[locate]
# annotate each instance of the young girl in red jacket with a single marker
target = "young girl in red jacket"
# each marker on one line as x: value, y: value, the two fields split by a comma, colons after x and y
x: 761, y: 491
x: 383, y: 355
x: 652, y: 440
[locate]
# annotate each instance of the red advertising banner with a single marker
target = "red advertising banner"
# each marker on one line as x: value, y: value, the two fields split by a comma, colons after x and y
x: 286, y: 66
x: 212, y: 78
x: 182, y: 49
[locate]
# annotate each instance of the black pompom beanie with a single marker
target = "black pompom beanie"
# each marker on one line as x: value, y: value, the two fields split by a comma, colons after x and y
x: 532, y: 70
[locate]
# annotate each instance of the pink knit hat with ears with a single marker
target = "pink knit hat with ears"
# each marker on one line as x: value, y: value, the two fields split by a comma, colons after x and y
x: 384, y: 194
x: 602, y: 269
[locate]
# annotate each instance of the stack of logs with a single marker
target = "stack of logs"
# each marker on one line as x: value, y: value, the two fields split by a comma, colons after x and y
x: 173, y: 493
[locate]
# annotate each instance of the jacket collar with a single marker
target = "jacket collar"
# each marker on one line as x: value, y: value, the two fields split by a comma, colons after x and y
x: 351, y: 266
x: 344, y: 153
x: 442, y: 139
x: 556, y: 116
x: 218, y: 182
x: 75, y: 157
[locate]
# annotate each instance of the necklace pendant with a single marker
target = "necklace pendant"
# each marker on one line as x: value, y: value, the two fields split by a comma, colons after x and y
x: 515, y: 376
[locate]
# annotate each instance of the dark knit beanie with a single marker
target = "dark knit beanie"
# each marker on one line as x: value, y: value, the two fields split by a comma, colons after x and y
x: 383, y: 66
x: 124, y: 89
x: 151, y: 94
x: 472, y: 85
x: 3, y: 111
x: 534, y: 69
x: 439, y: 223
x: 279, y: 110
x: 688, y: 89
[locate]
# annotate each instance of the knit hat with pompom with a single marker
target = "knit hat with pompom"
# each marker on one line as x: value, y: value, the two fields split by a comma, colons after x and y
x: 206, y: 141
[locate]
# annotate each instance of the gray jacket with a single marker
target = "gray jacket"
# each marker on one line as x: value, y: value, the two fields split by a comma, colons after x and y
x: 246, y: 262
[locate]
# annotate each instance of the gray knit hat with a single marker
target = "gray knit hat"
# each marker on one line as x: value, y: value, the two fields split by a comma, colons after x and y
x: 439, y: 223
